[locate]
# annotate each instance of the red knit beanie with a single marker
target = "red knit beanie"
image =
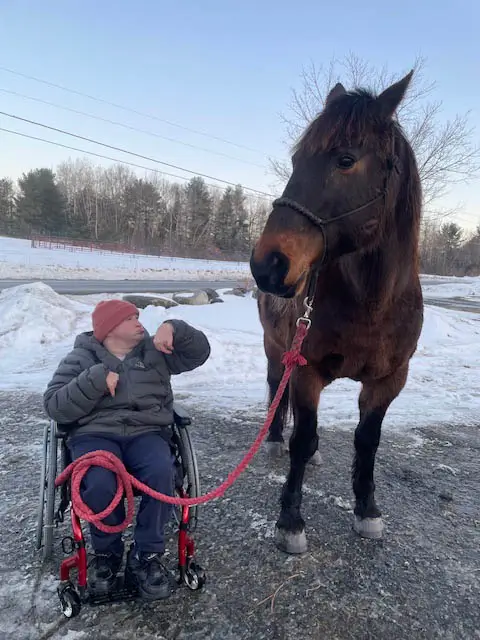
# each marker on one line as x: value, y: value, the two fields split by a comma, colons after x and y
x: 108, y: 314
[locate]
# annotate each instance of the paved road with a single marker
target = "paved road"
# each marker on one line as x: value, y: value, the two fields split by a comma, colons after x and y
x: 419, y: 583
x: 85, y: 287
x: 460, y: 304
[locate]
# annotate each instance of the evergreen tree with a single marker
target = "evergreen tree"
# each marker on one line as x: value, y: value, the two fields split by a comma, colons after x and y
x: 450, y: 240
x: 8, y: 222
x: 224, y: 221
x: 40, y: 203
x: 451, y: 235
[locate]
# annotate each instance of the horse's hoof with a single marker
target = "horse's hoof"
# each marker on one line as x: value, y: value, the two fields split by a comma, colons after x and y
x: 275, y: 449
x: 316, y: 459
x: 291, y: 542
x: 368, y: 527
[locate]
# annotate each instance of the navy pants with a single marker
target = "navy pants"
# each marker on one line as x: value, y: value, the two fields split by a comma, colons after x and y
x: 149, y: 458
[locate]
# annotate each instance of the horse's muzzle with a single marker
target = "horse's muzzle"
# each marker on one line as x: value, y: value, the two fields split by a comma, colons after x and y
x: 270, y: 273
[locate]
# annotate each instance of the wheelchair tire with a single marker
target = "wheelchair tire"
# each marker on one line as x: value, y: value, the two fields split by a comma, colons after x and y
x: 43, y: 482
x: 50, y: 493
x: 189, y: 462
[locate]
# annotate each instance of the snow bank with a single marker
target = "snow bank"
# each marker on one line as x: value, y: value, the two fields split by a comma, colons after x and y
x: 34, y: 314
x: 19, y: 260
x: 35, y: 323
x: 39, y: 326
x: 450, y: 287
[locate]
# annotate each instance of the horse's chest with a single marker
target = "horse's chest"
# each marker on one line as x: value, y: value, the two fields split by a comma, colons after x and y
x: 350, y: 352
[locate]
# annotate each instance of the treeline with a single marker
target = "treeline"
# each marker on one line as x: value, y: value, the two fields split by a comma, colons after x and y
x: 447, y: 249
x: 83, y: 201
x: 113, y: 204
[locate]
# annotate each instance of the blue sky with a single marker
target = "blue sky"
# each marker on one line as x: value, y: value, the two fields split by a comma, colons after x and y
x: 224, y: 68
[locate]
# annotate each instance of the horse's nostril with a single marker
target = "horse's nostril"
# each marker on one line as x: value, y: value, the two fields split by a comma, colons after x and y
x: 278, y: 267
x: 270, y: 273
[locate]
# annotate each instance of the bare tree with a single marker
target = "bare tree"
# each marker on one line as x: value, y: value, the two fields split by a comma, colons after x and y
x: 445, y: 150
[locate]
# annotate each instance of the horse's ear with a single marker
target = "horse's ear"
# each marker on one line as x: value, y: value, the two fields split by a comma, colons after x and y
x: 337, y: 91
x: 389, y: 100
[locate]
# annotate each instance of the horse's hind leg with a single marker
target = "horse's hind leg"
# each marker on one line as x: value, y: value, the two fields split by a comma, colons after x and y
x: 290, y: 528
x: 375, y: 398
x: 275, y: 443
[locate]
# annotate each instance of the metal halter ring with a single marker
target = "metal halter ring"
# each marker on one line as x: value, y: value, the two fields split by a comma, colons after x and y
x: 304, y: 319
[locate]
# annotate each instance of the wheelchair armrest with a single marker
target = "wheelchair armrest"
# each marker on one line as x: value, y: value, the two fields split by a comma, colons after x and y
x: 180, y: 416
x: 60, y: 431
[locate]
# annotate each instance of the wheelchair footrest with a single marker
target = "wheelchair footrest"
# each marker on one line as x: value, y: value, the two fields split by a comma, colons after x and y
x: 120, y: 594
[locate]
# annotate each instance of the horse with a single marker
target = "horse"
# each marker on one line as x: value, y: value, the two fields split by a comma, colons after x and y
x: 341, y: 243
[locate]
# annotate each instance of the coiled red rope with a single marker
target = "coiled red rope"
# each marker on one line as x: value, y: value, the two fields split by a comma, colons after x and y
x: 126, y: 482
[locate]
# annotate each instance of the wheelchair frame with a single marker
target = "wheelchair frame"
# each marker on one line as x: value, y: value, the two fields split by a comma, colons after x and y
x: 49, y: 518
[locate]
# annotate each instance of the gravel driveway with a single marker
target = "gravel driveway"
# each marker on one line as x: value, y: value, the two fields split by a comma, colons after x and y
x: 421, y: 581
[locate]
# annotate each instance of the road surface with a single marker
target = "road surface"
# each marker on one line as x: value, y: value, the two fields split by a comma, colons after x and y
x: 460, y: 304
x: 86, y: 287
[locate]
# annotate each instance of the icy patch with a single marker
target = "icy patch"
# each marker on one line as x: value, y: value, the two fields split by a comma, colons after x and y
x: 261, y: 525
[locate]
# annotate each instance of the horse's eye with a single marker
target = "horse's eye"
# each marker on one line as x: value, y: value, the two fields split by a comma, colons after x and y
x: 345, y: 162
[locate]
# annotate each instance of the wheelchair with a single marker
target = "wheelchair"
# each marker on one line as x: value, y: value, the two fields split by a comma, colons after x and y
x: 55, y: 502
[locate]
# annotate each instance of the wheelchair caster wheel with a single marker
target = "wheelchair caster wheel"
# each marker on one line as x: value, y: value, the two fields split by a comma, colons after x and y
x: 69, y: 601
x: 195, y: 577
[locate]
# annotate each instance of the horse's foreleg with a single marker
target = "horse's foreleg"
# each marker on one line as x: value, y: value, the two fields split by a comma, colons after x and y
x: 305, y: 392
x: 374, y: 400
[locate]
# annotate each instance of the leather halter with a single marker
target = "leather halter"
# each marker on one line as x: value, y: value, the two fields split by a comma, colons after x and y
x: 321, y: 223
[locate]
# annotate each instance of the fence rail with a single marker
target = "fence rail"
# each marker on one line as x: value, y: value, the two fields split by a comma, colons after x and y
x: 76, y: 245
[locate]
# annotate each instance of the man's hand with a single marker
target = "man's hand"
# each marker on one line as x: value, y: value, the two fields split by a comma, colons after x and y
x: 163, y: 339
x: 112, y: 381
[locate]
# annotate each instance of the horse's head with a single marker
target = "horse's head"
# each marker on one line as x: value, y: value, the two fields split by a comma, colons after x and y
x: 340, y: 196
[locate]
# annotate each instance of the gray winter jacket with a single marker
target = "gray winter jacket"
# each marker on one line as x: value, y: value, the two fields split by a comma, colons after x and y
x: 77, y: 396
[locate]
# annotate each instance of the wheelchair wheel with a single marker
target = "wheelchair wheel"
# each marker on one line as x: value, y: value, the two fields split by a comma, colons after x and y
x: 50, y: 492
x: 191, y: 483
x: 43, y: 482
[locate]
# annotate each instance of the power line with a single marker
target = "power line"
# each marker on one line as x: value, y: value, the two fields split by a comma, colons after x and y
x: 128, y: 127
x: 104, y: 157
x: 128, y: 109
x: 132, y: 153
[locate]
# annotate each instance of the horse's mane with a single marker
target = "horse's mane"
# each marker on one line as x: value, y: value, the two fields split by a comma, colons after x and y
x: 348, y: 120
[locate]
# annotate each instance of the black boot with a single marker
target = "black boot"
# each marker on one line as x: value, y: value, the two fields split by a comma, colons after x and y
x: 147, y: 573
x: 103, y: 570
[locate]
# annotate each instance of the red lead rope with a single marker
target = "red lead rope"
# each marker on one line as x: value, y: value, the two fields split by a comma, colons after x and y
x: 126, y: 482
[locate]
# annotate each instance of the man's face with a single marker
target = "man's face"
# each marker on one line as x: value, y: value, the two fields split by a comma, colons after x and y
x: 130, y: 331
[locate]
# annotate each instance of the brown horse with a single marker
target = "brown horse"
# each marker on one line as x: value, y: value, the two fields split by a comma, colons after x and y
x: 344, y: 238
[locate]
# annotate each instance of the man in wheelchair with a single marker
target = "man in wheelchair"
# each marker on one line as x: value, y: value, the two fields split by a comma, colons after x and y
x: 114, y: 392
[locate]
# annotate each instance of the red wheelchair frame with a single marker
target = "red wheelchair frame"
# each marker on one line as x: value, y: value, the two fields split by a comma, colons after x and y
x: 73, y: 596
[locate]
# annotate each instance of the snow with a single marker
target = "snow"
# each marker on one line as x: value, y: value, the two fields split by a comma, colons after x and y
x: 19, y: 260
x: 451, y: 287
x: 38, y: 327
